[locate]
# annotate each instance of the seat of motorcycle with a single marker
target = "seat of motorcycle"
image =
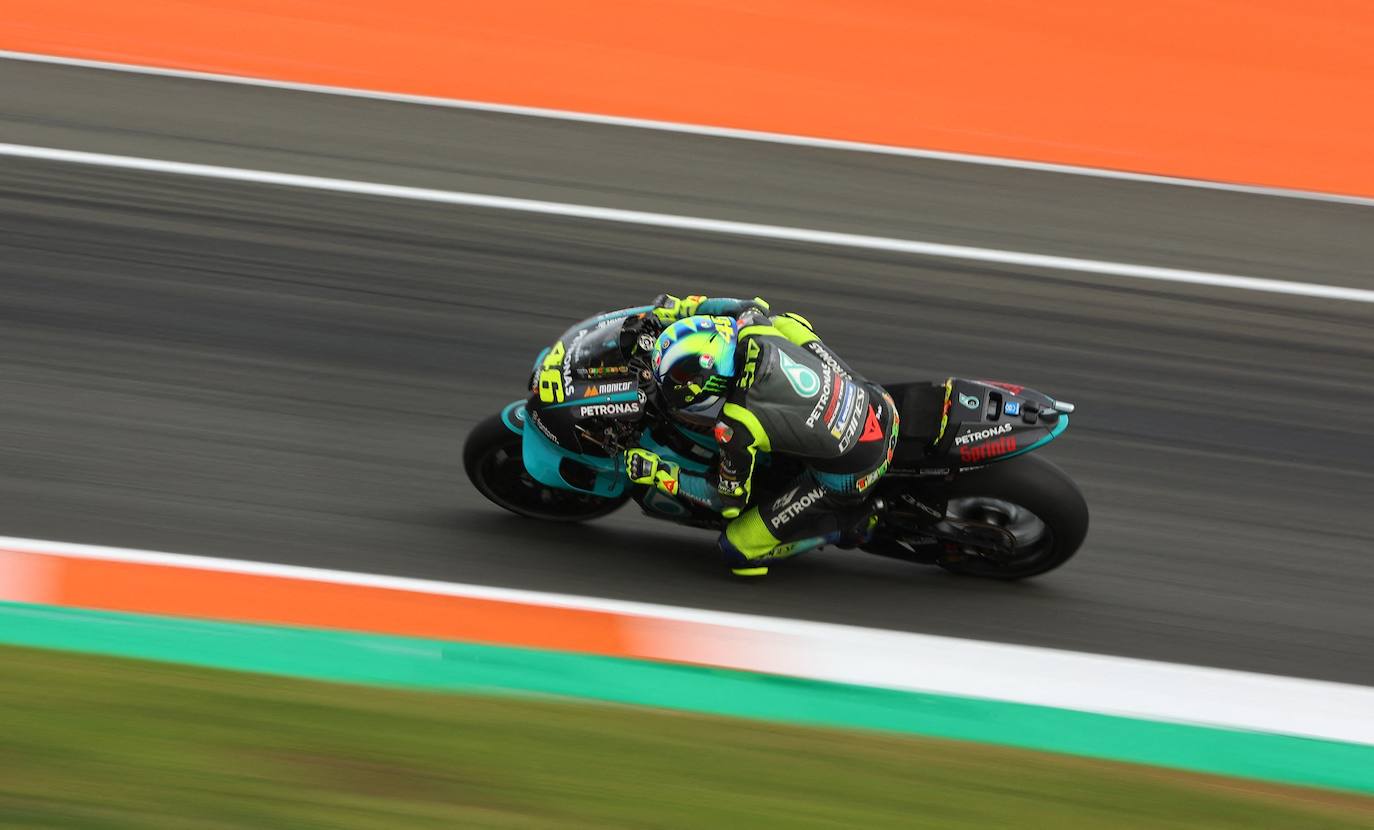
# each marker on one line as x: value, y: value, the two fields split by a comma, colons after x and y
x: 920, y: 406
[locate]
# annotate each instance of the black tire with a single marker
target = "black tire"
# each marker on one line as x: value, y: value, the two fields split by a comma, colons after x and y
x: 1032, y: 484
x: 493, y: 462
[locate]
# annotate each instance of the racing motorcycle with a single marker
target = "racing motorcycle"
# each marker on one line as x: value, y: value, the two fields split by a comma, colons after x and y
x: 962, y: 491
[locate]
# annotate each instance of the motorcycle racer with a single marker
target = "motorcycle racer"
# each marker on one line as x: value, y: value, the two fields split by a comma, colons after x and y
x: 774, y: 387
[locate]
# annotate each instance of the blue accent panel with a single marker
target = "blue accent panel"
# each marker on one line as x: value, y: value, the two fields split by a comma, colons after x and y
x: 542, y: 457
x: 698, y: 489
x: 734, y: 557
x: 1054, y: 433
x: 703, y: 441
x: 538, y: 361
x: 722, y: 307
x: 727, y: 361
x: 690, y: 465
x: 513, y: 416
x: 837, y: 482
x: 615, y: 398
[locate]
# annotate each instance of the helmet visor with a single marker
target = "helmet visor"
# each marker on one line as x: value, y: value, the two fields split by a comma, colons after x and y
x: 684, y: 371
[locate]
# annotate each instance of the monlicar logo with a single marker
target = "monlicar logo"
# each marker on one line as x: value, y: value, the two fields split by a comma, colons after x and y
x: 608, y: 388
x: 969, y: 438
x: 804, y: 381
x: 991, y: 449
x: 795, y: 508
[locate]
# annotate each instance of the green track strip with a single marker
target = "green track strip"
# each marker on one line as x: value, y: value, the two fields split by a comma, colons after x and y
x: 354, y: 657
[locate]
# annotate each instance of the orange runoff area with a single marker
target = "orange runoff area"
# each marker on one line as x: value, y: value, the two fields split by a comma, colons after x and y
x: 1273, y: 92
x: 253, y: 598
x: 175, y: 590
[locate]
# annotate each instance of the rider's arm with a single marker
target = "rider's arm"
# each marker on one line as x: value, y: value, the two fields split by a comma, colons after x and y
x: 668, y: 308
x: 741, y: 438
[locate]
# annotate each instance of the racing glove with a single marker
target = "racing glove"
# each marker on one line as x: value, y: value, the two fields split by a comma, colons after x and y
x: 644, y: 467
x: 668, y: 308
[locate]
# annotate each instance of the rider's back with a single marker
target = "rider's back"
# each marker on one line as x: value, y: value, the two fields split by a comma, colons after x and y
x: 808, y: 402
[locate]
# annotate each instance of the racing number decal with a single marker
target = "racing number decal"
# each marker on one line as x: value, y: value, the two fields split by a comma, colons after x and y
x: 724, y: 328
x: 551, y: 379
x: 750, y: 365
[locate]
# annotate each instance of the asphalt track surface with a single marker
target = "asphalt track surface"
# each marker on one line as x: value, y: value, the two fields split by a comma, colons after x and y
x: 277, y: 374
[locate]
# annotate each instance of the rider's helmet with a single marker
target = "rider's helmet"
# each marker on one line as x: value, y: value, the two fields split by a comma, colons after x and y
x: 694, y: 359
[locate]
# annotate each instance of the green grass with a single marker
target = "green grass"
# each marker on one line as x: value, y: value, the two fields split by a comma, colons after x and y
x: 96, y: 742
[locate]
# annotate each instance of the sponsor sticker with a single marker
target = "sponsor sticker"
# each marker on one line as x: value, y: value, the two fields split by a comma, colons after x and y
x: 868, y: 480
x: 795, y: 509
x: 723, y: 433
x: 971, y: 401
x: 608, y: 388
x: 826, y: 395
x: 982, y: 434
x: 538, y: 422
x: 845, y: 409
x: 804, y: 381
x: 826, y: 357
x: 852, y: 428
x: 1013, y: 388
x: 992, y: 449
x: 782, y: 500
x: 608, y: 409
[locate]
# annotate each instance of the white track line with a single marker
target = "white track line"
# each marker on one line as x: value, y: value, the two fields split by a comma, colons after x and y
x: 693, y: 223
x: 1121, y: 686
x: 696, y: 129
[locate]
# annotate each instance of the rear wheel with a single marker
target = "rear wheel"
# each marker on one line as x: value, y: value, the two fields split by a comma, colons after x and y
x: 1026, y: 499
x: 493, y: 461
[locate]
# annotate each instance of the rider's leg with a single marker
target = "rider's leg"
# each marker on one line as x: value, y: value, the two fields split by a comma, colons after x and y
x: 821, y: 507
x: 805, y: 517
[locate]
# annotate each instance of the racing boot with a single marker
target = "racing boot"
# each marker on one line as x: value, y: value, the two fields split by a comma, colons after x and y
x: 856, y: 524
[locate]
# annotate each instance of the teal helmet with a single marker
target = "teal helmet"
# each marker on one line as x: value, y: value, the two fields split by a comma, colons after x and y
x: 694, y: 358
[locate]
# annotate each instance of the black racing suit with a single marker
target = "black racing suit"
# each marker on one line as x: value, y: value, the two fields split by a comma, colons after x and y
x: 793, y: 396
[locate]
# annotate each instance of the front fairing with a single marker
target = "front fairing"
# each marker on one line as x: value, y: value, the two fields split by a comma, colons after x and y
x: 585, y: 376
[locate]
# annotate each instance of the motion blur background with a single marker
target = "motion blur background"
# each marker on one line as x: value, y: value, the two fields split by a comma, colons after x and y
x: 271, y: 373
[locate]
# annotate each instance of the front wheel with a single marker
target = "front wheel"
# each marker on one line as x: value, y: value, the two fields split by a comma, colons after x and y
x: 494, y: 463
x: 1027, y: 499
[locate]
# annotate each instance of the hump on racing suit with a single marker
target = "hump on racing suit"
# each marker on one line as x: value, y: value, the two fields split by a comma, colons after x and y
x: 796, y: 397
x: 791, y: 396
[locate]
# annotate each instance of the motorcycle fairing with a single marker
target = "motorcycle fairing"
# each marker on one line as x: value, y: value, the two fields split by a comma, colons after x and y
x: 963, y: 424
x: 990, y: 421
x: 547, y: 463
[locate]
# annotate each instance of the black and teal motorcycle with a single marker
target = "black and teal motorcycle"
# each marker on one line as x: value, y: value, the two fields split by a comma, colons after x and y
x: 963, y: 491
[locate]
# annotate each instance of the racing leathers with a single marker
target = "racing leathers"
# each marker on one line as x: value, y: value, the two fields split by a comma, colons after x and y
x: 791, y: 395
